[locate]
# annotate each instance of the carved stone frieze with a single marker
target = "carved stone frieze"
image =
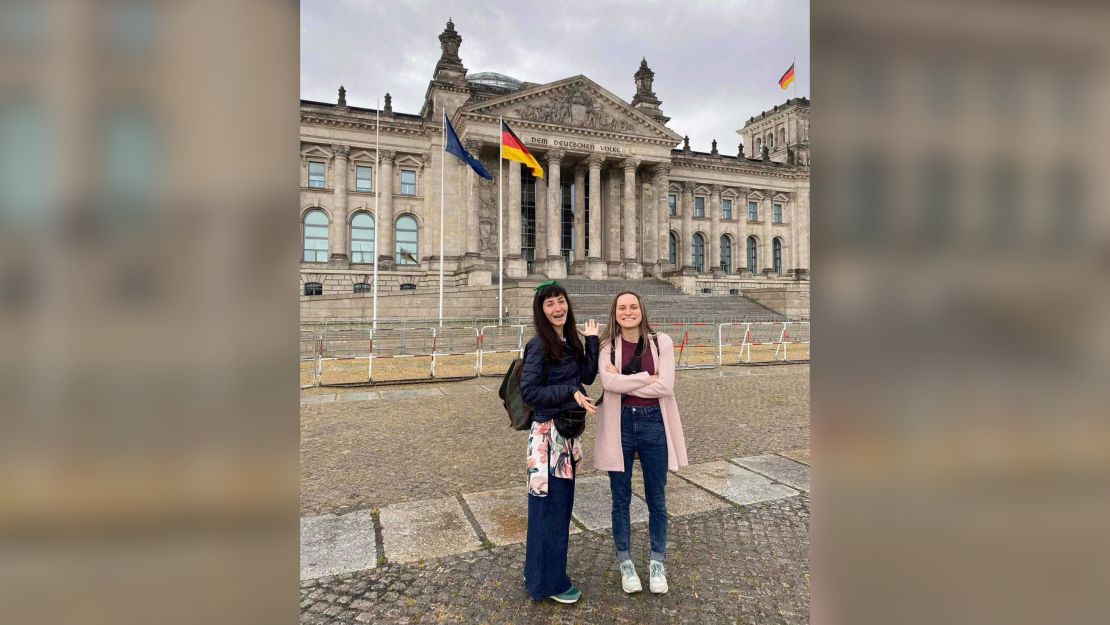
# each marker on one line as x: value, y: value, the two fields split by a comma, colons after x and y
x: 573, y: 107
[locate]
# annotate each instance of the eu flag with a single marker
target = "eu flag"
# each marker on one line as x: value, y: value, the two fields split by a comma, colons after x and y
x: 456, y: 148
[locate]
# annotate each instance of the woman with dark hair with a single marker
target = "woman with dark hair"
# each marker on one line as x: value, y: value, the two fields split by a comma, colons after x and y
x: 639, y: 415
x: 556, y: 368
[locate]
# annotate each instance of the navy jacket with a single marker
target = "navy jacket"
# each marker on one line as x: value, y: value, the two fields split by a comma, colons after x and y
x: 564, y: 378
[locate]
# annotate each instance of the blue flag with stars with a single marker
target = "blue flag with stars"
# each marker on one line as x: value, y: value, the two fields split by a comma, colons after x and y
x: 455, y: 147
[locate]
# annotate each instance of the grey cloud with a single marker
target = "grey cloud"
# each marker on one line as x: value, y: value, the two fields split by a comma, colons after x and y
x: 715, y: 63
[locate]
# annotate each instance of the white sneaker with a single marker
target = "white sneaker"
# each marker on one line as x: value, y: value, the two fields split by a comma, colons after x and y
x: 657, y: 578
x: 630, y: 582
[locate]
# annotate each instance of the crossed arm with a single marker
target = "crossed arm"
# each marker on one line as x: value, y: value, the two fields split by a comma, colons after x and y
x: 641, y: 384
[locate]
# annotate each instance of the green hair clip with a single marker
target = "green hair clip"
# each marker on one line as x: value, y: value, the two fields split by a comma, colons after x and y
x: 542, y: 285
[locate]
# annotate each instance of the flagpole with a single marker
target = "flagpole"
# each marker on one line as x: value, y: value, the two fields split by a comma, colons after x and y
x: 500, y: 224
x: 377, y: 213
x: 442, y: 166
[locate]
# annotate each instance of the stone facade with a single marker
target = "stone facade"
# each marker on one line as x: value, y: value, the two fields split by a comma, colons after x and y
x: 783, y: 130
x: 612, y: 170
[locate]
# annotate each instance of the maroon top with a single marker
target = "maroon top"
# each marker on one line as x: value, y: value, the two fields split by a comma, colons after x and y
x: 627, y: 351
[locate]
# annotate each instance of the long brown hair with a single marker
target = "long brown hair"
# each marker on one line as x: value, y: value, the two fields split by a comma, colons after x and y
x: 552, y: 343
x: 612, y: 328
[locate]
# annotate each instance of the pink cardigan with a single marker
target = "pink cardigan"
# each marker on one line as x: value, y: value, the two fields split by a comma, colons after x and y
x: 607, y: 442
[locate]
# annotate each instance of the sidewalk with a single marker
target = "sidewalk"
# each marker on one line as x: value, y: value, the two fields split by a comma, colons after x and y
x: 390, y: 538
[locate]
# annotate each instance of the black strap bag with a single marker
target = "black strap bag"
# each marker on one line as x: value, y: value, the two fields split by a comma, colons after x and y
x: 571, y: 423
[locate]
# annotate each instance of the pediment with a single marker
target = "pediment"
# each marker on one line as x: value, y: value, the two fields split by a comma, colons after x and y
x: 575, y: 102
x: 316, y: 151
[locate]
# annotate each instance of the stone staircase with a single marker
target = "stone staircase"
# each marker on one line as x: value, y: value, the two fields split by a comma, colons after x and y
x: 664, y: 302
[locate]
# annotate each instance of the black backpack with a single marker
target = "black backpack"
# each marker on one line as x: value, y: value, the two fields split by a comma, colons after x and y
x: 520, y: 413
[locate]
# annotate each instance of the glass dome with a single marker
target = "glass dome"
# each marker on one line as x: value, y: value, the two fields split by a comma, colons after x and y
x: 493, y: 79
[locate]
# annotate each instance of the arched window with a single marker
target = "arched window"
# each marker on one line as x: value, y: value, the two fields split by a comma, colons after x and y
x: 776, y: 254
x: 698, y: 249
x: 315, y: 237
x: 770, y: 140
x: 313, y: 288
x: 362, y: 238
x: 726, y: 254
x: 672, y: 250
x: 758, y: 146
x: 753, y: 256
x: 407, y: 239
x: 782, y: 136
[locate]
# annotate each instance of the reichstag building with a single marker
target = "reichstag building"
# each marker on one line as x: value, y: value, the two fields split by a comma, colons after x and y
x: 623, y: 195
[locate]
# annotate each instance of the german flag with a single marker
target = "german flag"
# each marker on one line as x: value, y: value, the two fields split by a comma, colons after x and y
x: 787, y: 78
x: 513, y: 149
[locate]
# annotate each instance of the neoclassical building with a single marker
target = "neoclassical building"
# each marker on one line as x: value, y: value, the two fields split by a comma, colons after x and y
x: 623, y: 194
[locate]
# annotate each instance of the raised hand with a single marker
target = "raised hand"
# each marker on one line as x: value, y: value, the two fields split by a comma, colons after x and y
x: 591, y: 327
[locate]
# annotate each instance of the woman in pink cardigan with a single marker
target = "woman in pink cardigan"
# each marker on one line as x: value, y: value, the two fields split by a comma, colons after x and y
x: 638, y: 415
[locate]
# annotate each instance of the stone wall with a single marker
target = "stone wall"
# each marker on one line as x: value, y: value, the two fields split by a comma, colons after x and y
x: 467, y: 302
x: 790, y: 301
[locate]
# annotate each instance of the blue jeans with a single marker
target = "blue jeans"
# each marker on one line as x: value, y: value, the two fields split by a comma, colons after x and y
x: 642, y: 432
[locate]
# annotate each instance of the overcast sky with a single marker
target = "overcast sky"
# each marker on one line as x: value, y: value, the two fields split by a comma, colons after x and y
x: 716, y: 62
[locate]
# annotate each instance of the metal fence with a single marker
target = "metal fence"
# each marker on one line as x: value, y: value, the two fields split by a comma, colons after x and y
x: 353, y: 353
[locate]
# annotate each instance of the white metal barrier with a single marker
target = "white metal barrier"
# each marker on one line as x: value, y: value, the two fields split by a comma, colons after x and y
x: 793, y: 333
x: 453, y: 347
x: 494, y: 340
x: 468, y: 351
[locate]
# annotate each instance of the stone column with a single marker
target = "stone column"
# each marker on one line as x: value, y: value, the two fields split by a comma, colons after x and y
x: 633, y: 270
x: 768, y: 231
x: 649, y: 217
x: 686, y: 249
x: 384, y: 222
x: 662, y: 191
x: 579, y: 212
x: 595, y: 268
x: 540, y: 226
x: 515, y: 266
x: 337, y: 240
x: 555, y: 267
x: 613, y: 221
x: 473, y: 196
x: 714, y: 260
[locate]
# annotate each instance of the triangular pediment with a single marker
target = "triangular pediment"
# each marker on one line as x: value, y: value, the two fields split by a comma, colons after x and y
x: 575, y: 102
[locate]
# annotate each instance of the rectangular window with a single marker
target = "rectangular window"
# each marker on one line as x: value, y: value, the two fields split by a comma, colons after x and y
x: 528, y: 217
x: 316, y: 171
x: 753, y: 211
x: 364, y: 178
x: 672, y: 204
x: 699, y: 207
x: 408, y: 182
x: 726, y: 209
x: 777, y: 213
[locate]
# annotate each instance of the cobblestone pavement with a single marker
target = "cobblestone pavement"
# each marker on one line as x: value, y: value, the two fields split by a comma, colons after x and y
x: 737, y: 565
x: 417, y: 442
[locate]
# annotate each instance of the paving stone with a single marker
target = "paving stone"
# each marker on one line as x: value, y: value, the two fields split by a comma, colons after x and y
x: 593, y: 503
x: 734, y: 483
x: 333, y: 544
x: 798, y: 455
x: 734, y: 565
x: 503, y: 514
x: 410, y: 393
x: 421, y: 530
x: 463, y: 389
x: 318, y: 399
x: 778, y: 468
x: 682, y: 497
x: 357, y: 396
